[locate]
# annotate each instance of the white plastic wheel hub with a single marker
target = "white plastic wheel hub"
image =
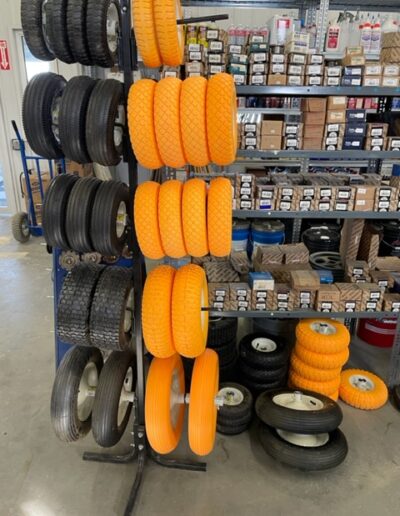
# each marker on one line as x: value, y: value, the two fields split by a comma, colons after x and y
x: 128, y: 312
x: 55, y: 115
x: 126, y: 396
x: 323, y: 328
x: 298, y: 401
x: 87, y: 390
x: 121, y: 219
x: 112, y: 28
x: 231, y: 396
x: 362, y: 383
x: 264, y: 345
x: 304, y: 440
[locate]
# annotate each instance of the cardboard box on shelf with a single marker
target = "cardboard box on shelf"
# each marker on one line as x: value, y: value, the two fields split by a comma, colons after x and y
x: 281, y: 299
x: 313, y: 131
x: 337, y: 116
x: 314, y: 118
x: 304, y: 298
x: 350, y: 240
x: 277, y: 80
x: 313, y: 59
x: 376, y: 144
x: 353, y: 60
x: 394, y: 143
x: 328, y: 299
x: 364, y: 205
x: 298, y: 59
x: 278, y: 58
x: 377, y: 129
x: 267, y: 256
x: 272, y: 127
x: 351, y: 80
x: 295, y: 253
x: 332, y: 81
x: 300, y: 279
x: 372, y: 297
x: 391, y: 303
x: 350, y: 297
x: 390, y: 82
x: 388, y: 263
x: 314, y: 105
x: 312, y: 143
x: 391, y: 70
x: 258, y: 68
x: 258, y: 80
x: 269, y: 142
x: 280, y: 68
x: 261, y: 281
x: 315, y: 69
x: 293, y: 129
x: 390, y: 55
x: 333, y: 71
x: 365, y: 192
x: 314, y: 80
x: 382, y: 279
x: 295, y: 80
x: 218, y: 296
x: 335, y: 103
x: 295, y: 69
x: 292, y: 143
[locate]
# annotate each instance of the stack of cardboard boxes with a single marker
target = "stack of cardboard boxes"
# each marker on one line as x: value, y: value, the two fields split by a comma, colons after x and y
x: 271, y: 134
x: 314, y: 115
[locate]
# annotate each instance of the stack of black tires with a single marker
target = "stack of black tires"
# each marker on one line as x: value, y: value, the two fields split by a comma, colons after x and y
x: 236, y: 414
x: 222, y: 339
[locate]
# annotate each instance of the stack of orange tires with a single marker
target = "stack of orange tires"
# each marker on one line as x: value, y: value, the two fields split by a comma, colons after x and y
x: 321, y: 350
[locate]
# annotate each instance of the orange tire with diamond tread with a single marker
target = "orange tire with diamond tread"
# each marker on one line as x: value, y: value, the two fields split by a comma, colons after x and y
x: 202, y: 409
x: 145, y: 32
x: 312, y: 373
x: 189, y: 322
x: 326, y: 388
x: 318, y: 342
x: 170, y: 219
x: 156, y: 312
x: 170, y: 35
x: 365, y: 400
x: 222, y: 129
x: 146, y: 220
x: 194, y: 121
x: 161, y: 432
x: 168, y: 123
x: 321, y: 360
x: 194, y: 217
x: 219, y: 217
x: 141, y: 124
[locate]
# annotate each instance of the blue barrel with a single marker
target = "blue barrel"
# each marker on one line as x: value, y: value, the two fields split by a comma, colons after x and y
x: 240, y: 234
x: 267, y: 232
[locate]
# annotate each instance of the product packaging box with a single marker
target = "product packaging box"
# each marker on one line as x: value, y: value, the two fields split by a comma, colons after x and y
x: 295, y: 80
x: 372, y: 297
x: 314, y: 80
x: 304, y: 298
x: 281, y: 299
x: 304, y: 279
x: 240, y: 297
x: 350, y: 297
x: 382, y: 279
x: 391, y: 303
x: 335, y: 103
x: 377, y: 130
x: 314, y: 105
x: 336, y: 116
x: 295, y: 253
x: 277, y: 80
x: 369, y: 245
x: 328, y: 299
x: 312, y: 143
x: 272, y: 128
x: 218, y: 296
x: 350, y: 239
x: 270, y: 143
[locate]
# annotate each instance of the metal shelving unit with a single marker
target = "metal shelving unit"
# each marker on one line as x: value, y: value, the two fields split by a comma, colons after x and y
x: 269, y: 111
x: 334, y: 5
x: 265, y: 214
x: 318, y: 91
x: 333, y: 155
x: 299, y: 314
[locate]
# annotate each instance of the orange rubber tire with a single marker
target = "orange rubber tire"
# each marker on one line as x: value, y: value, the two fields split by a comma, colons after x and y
x: 320, y: 360
x: 141, y: 124
x: 372, y: 394
x: 194, y: 217
x: 322, y: 387
x: 194, y: 121
x: 166, y: 379
x: 219, y: 217
x: 202, y: 408
x: 322, y: 335
x: 145, y: 32
x: 189, y: 322
x: 170, y: 35
x: 146, y: 220
x: 222, y: 131
x: 334, y: 396
x: 157, y: 326
x: 312, y: 373
x: 168, y: 123
x: 170, y: 218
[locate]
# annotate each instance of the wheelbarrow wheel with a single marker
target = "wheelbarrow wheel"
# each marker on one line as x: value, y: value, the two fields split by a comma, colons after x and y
x: 20, y: 227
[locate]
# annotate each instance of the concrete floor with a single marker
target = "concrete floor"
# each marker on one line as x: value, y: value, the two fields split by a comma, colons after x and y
x: 40, y: 476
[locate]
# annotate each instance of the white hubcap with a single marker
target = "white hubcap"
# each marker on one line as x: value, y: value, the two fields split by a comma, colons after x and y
x: 126, y: 396
x: 323, y: 328
x: 112, y: 28
x: 231, y: 396
x: 121, y: 220
x: 304, y: 440
x: 87, y: 390
x: 119, y: 125
x: 362, y: 383
x: 264, y: 345
x: 298, y: 401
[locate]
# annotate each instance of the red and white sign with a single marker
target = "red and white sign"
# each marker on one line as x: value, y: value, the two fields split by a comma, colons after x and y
x: 4, y: 57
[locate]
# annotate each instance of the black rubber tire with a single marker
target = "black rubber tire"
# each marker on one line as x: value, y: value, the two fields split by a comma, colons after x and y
x: 31, y: 20
x: 232, y: 430
x: 96, y: 30
x: 284, y: 329
x: 298, y: 421
x: 108, y: 310
x: 228, y: 372
x: 260, y: 359
x: 240, y: 421
x: 58, y: 32
x: 228, y: 413
x: 20, y: 227
x: 64, y: 398
x: 72, y: 119
x: 104, y: 218
x: 54, y: 210
x: 79, y: 214
x: 77, y: 34
x: 320, y: 458
x: 37, y: 106
x: 106, y: 430
x: 257, y: 388
x: 396, y: 396
x: 227, y: 353
x: 262, y: 375
x: 220, y: 331
x: 100, y: 120
x: 75, y: 302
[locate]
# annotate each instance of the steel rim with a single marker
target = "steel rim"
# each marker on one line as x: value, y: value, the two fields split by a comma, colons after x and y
x: 55, y: 116
x: 128, y: 312
x: 362, y: 383
x: 304, y: 440
x: 264, y: 345
x: 298, y: 401
x: 175, y: 400
x: 68, y: 260
x: 25, y: 227
x: 323, y: 328
x: 87, y: 388
x: 125, y: 398
x: 92, y: 258
x: 121, y: 219
x: 232, y: 396
x: 119, y: 125
x: 112, y: 28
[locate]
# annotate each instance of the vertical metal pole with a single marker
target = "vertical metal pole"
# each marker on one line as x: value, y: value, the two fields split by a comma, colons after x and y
x: 394, y: 368
x: 322, y: 24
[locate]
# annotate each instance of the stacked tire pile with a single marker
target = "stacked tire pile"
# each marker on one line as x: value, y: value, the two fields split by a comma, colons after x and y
x: 95, y: 312
x: 300, y: 429
x: 73, y: 31
x: 236, y: 413
x: 86, y: 215
x: 263, y: 362
x: 82, y: 119
x: 321, y: 350
x: 177, y: 219
x: 222, y: 339
x: 173, y: 123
